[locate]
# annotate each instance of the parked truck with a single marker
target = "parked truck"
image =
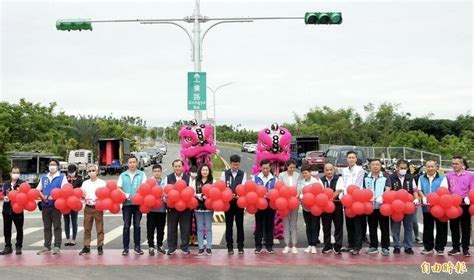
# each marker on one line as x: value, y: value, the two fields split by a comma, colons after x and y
x: 300, y: 145
x: 32, y: 164
x: 113, y: 154
x: 81, y: 158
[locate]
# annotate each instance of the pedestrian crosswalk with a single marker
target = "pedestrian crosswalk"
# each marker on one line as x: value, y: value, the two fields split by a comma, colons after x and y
x: 63, y: 234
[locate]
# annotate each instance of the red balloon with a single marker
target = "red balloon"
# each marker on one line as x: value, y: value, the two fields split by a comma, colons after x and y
x: 192, y: 204
x: 114, y: 209
x: 144, y: 189
x: 351, y: 188
x: 30, y: 205
x: 389, y: 196
x: 56, y: 193
x: 60, y: 203
x: 329, y: 207
x: 214, y: 193
x: 285, y: 192
x: 102, y: 193
x: 240, y: 190
x: 251, y: 209
x: 271, y: 203
x: 250, y: 186
x: 284, y: 213
x: 144, y: 209
x: 410, y: 197
x: 347, y: 200
x: 107, y: 203
x: 242, y: 202
x: 398, y: 206
x: 78, y: 193
x: 151, y: 182
x: 226, y: 195
x: 358, y: 207
x: 433, y: 198
x: 452, y: 212
x: 329, y: 193
x: 21, y: 199
x: 206, y: 188
x: 180, y: 206
x: 441, y: 191
x: 157, y: 192
x: 24, y: 187
x: 220, y: 184
x: 471, y: 195
x: 316, y: 210
x: 208, y: 203
x: 293, y: 203
x: 457, y: 199
x: 252, y: 197
x: 187, y: 194
x: 65, y: 210
x: 437, y: 211
x: 321, y: 200
x: 443, y: 219
x: 398, y: 217
x: 117, y: 196
x: 168, y: 188
x: 309, y: 199
x: 368, y: 195
x: 170, y: 204
x: 111, y: 185
x: 273, y: 194
x: 261, y: 191
x: 306, y: 189
x: 350, y: 213
x: 316, y: 188
x: 218, y: 205
x: 137, y: 199
x: 149, y: 200
x: 471, y: 210
x: 262, y: 203
x: 180, y: 185
x: 99, y: 206
x: 368, y: 208
x: 445, y: 201
x: 67, y: 191
x: 402, y: 195
x: 281, y: 203
x: 17, y: 208
x: 72, y: 201
x: 173, y: 196
x: 409, y: 208
x: 12, y: 195
x: 279, y: 185
x: 358, y: 195
x: 386, y: 209
x: 158, y: 204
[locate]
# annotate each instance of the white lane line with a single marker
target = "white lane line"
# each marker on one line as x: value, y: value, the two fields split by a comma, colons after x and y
x: 218, y: 232
x: 25, y: 232
x: 41, y: 242
x: 111, y: 235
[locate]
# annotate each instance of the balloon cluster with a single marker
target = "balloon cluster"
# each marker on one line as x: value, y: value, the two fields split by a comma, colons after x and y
x: 283, y: 199
x: 251, y: 197
x: 444, y: 206
x: 67, y: 198
x: 471, y: 198
x: 109, y: 198
x: 318, y: 199
x: 148, y: 196
x: 357, y: 201
x: 218, y: 196
x: 397, y: 204
x: 23, y: 198
x: 179, y: 196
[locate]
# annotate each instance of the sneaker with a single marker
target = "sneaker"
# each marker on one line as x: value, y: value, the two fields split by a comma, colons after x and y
x: 161, y: 250
x: 385, y: 252
x: 346, y: 249
x: 201, y: 252
x: 307, y: 250
x: 372, y: 250
x: 258, y: 251
x: 72, y: 243
x: 230, y: 251
x: 294, y: 250
x: 85, y: 251
x: 100, y: 250
x: 355, y: 252
x: 44, y: 251
x: 454, y: 252
x: 409, y: 251
x: 125, y: 252
x: 67, y: 243
x: 337, y: 251
x: 327, y: 250
x: 209, y: 252
x: 270, y: 250
x: 6, y: 251
x: 56, y: 250
x: 313, y: 250
x: 138, y: 251
x: 418, y: 240
x: 186, y: 252
x: 426, y: 252
x: 466, y: 254
x: 171, y: 252
x: 440, y: 253
x: 151, y: 251
x: 18, y: 251
x: 286, y: 250
x: 241, y: 251
x: 396, y: 251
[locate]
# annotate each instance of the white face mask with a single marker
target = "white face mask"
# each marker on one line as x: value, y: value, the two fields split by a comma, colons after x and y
x: 73, y: 174
x: 314, y: 173
x: 53, y: 168
x: 193, y: 174
x: 15, y: 176
x: 402, y: 172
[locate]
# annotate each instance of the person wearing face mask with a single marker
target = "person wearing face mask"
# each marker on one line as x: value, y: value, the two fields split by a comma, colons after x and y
x: 10, y: 217
x: 50, y: 215
x: 399, y: 180
x: 91, y: 214
x: 70, y: 220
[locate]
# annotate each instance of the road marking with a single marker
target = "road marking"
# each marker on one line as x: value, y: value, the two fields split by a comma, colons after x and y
x: 111, y: 235
x: 25, y: 232
x: 63, y: 236
x: 219, y: 232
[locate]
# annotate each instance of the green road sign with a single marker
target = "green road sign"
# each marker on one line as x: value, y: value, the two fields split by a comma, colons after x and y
x: 73, y: 24
x: 197, y: 91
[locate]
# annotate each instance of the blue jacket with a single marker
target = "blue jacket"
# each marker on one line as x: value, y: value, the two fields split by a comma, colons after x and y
x: 129, y: 186
x: 270, y: 184
x: 377, y: 186
x: 48, y: 187
x: 427, y: 188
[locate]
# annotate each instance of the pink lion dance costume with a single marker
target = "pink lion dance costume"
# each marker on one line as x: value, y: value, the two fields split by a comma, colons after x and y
x: 273, y: 144
x: 197, y: 144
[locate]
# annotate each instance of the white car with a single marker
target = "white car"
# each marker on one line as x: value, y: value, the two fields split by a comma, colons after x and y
x: 252, y: 148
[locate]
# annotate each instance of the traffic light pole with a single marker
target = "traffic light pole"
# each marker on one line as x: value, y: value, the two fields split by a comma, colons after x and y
x: 195, y: 38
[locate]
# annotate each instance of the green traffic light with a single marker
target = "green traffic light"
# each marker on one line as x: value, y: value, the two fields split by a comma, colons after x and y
x: 323, y: 18
x: 74, y: 25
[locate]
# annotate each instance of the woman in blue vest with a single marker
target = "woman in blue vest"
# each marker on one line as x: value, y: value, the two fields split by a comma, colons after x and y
x: 203, y: 215
x: 429, y: 183
x: 51, y: 216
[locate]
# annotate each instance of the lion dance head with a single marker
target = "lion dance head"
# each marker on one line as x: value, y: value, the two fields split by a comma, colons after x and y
x: 197, y: 144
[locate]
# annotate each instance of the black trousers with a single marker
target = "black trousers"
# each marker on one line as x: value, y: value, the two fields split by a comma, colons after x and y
x: 336, y: 218
x: 184, y: 220
x: 364, y: 225
x: 155, y: 221
x: 354, y: 232
x: 461, y: 229
x: 375, y: 220
x: 428, y: 233
x: 313, y: 225
x: 237, y: 214
x: 8, y: 220
x: 264, y: 221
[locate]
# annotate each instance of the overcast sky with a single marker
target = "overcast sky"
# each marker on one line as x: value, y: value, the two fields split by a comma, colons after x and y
x: 418, y: 54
